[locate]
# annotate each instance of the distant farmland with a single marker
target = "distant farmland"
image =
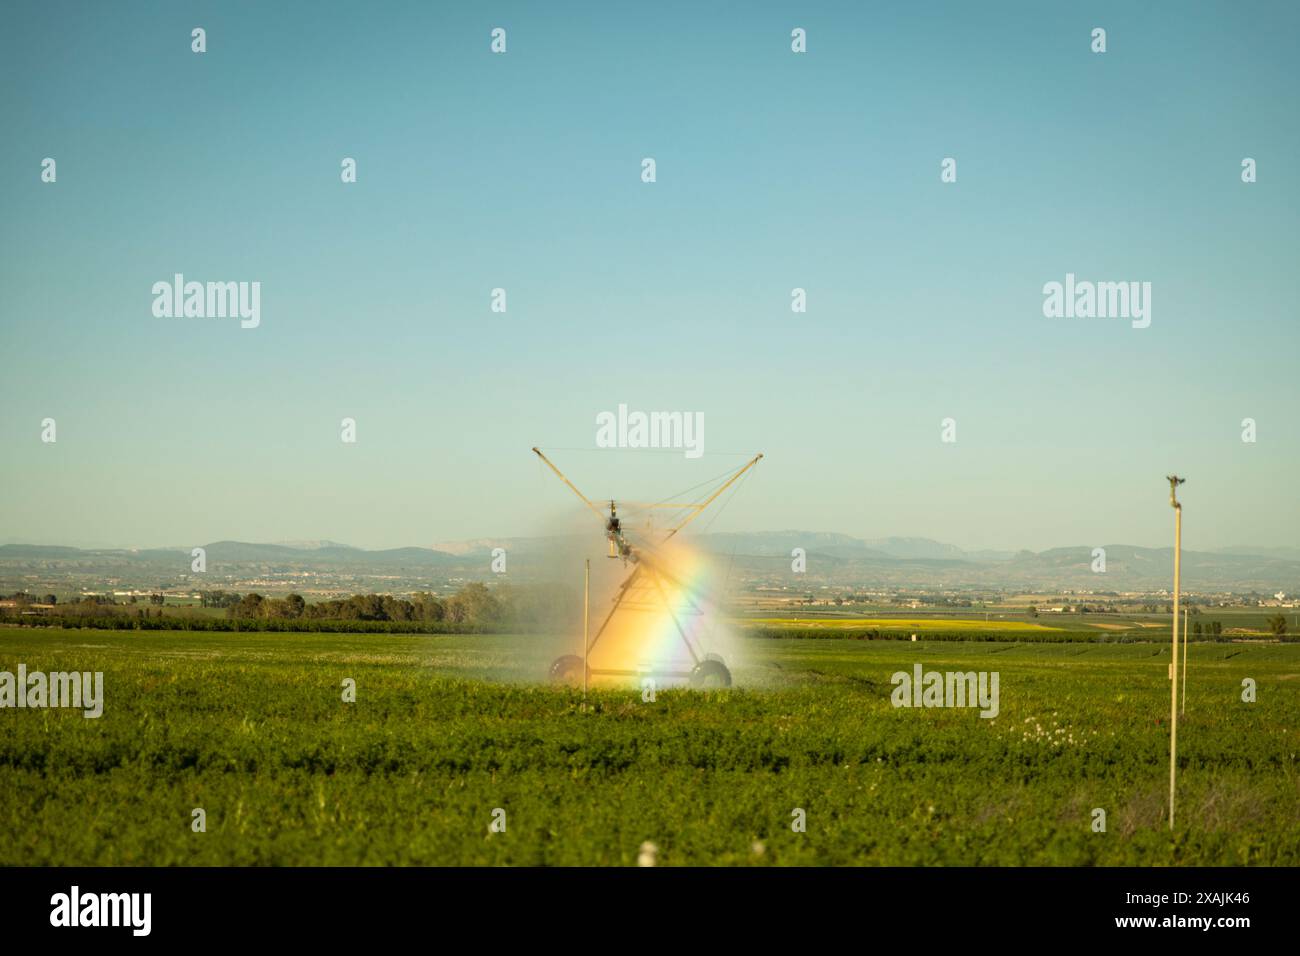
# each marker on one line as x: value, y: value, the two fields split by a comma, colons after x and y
x: 902, y: 624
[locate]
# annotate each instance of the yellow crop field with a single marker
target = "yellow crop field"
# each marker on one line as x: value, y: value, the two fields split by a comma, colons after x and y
x: 901, y: 623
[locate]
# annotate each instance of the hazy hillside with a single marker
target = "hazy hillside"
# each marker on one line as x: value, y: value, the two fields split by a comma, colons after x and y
x: 832, y: 558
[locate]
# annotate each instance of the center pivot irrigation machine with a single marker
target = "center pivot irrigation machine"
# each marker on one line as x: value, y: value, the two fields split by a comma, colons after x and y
x: 651, y: 587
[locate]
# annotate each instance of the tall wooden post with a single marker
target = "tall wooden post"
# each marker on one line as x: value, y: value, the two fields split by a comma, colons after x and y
x: 1186, y: 614
x: 586, y: 609
x: 1174, y: 482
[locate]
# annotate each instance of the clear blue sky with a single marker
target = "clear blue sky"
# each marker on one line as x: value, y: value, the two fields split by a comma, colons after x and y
x: 775, y: 170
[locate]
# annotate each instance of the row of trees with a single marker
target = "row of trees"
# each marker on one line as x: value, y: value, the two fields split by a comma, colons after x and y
x: 474, y: 604
x: 475, y: 607
x: 23, y: 599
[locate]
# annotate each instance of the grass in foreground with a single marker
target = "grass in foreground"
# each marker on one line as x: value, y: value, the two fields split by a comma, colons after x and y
x: 252, y: 729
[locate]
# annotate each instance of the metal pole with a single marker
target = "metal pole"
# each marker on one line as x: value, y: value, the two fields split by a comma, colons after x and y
x: 586, y: 607
x: 1186, y: 613
x: 1174, y: 481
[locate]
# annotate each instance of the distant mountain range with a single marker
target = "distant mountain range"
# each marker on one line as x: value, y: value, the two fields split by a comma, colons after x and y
x: 917, y: 561
x: 242, y: 552
x: 832, y: 558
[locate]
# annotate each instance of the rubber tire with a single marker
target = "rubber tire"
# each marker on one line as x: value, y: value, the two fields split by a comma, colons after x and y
x: 568, y: 670
x: 710, y: 672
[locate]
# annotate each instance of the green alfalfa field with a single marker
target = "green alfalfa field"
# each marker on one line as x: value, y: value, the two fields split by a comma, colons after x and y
x: 252, y: 728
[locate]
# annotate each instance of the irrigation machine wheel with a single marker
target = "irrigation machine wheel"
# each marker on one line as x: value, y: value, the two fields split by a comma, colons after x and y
x: 568, y: 670
x: 710, y: 673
